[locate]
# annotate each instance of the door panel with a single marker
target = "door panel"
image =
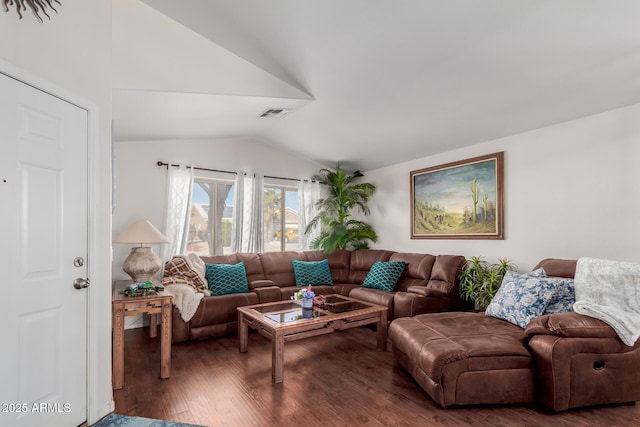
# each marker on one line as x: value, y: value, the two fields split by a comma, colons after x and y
x: 43, y: 227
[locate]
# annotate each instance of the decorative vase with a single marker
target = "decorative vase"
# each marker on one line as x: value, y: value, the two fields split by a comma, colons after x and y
x: 307, y: 302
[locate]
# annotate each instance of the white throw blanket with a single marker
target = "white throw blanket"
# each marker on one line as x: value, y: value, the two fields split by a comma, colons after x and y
x: 185, y: 298
x: 610, y: 291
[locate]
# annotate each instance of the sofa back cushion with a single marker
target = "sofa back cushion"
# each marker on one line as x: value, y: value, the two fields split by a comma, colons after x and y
x: 252, y: 263
x: 417, y: 270
x: 444, y: 274
x: 278, y: 267
x: 338, y: 263
x: 556, y: 267
x: 361, y: 262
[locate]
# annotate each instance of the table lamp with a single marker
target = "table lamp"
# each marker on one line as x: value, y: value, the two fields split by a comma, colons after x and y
x: 141, y: 264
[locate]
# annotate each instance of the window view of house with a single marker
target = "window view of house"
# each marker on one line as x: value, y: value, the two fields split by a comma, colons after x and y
x: 212, y: 216
x: 280, y: 213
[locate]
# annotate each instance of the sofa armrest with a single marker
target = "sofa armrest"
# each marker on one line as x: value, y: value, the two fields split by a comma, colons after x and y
x: 575, y: 371
x: 569, y: 325
x: 428, y: 292
x: 268, y: 294
x: 408, y: 304
x: 256, y: 284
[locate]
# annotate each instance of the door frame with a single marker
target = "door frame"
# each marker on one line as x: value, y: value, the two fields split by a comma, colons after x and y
x: 99, y: 293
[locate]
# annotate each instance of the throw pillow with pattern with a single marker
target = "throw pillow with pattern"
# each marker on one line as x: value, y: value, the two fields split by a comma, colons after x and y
x: 312, y: 273
x: 521, y: 298
x: 564, y: 296
x: 227, y: 278
x: 384, y: 275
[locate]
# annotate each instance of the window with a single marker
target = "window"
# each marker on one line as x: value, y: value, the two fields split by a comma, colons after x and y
x: 280, y: 213
x: 211, y: 216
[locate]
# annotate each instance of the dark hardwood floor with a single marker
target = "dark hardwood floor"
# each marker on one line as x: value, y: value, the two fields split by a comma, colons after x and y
x: 339, y: 379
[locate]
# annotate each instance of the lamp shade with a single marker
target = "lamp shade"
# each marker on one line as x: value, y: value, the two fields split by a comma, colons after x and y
x: 141, y: 232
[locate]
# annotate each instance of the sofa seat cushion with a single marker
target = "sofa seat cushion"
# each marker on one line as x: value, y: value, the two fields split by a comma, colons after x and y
x: 375, y: 296
x: 221, y: 309
x: 435, y: 340
x: 465, y: 358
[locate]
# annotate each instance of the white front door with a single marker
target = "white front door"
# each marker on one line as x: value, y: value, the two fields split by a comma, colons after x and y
x: 43, y: 228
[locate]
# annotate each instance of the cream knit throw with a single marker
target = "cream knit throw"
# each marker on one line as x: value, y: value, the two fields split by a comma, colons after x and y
x: 610, y: 291
x: 185, y: 298
x: 184, y: 279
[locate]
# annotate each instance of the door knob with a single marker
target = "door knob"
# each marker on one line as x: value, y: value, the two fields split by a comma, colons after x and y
x: 81, y: 283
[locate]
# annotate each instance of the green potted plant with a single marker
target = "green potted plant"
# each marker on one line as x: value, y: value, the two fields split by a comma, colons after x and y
x: 480, y: 280
x: 337, y: 229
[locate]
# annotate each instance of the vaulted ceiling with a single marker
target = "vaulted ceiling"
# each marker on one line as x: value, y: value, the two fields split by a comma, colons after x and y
x: 370, y: 82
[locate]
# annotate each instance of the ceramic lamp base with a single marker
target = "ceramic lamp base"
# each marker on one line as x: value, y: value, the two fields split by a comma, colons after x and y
x: 142, y: 265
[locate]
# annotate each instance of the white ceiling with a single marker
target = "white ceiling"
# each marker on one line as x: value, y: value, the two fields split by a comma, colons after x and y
x: 392, y: 81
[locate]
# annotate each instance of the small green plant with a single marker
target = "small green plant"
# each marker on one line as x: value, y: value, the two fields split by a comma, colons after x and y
x: 479, y: 280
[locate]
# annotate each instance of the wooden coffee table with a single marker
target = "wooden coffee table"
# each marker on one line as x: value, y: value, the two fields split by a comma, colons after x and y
x: 285, y: 321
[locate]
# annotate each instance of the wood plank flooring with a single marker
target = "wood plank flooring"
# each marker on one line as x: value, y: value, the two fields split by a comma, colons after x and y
x: 339, y: 379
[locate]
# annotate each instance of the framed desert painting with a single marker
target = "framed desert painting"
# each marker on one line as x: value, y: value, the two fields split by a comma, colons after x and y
x: 459, y: 200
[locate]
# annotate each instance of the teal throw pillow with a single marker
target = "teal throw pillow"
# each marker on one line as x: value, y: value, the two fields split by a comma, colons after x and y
x: 384, y: 275
x: 227, y: 278
x: 312, y: 273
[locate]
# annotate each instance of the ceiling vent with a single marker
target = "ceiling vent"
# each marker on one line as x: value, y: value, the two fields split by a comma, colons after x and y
x: 275, y: 112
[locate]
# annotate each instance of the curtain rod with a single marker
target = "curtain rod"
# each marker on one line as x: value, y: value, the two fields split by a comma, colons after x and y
x: 161, y: 163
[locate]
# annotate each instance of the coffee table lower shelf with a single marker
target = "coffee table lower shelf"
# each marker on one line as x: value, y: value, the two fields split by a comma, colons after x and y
x: 322, y: 321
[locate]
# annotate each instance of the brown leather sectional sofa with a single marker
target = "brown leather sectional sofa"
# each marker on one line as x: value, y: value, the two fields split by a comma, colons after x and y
x: 428, y: 284
x: 562, y: 361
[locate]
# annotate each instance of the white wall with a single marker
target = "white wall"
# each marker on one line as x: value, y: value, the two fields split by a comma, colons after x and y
x: 69, y: 56
x: 140, y: 185
x: 571, y: 190
x: 156, y: 59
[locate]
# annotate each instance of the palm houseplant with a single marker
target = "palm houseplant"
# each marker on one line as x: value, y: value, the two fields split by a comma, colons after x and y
x: 480, y: 280
x: 338, y: 230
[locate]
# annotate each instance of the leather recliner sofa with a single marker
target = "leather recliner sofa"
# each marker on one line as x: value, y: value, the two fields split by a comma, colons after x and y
x: 562, y: 361
x: 429, y: 283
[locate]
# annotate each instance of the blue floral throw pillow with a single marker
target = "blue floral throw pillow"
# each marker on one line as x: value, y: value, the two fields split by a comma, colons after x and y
x: 312, y: 273
x: 564, y: 296
x: 384, y: 275
x: 227, y: 278
x: 521, y: 298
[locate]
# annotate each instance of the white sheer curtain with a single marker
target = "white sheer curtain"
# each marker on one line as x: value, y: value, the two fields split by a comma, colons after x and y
x: 308, y: 195
x: 248, y: 220
x: 178, y: 212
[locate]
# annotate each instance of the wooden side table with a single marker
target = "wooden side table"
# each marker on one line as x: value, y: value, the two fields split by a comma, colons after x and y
x: 153, y: 305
